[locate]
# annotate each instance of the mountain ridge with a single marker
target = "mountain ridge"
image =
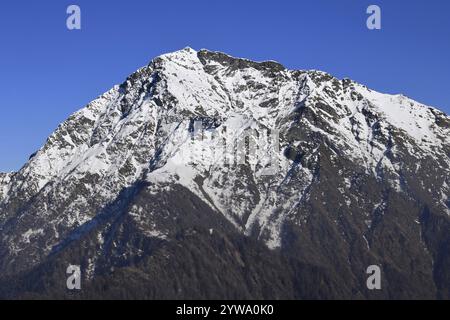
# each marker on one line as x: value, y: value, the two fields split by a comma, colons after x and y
x: 327, y: 173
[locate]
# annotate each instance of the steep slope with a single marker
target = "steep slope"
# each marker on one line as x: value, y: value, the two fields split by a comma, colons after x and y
x: 293, y: 181
x: 5, y: 179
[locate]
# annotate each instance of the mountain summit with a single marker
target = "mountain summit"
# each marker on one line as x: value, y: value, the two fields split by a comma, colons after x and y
x: 208, y: 176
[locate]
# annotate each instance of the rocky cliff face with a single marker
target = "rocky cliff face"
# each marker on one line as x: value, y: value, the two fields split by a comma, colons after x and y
x: 208, y: 176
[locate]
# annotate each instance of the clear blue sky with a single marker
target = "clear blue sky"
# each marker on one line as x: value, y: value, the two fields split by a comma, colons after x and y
x: 47, y: 72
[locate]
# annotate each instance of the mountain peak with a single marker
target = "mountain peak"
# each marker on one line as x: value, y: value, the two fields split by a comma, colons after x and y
x: 326, y: 171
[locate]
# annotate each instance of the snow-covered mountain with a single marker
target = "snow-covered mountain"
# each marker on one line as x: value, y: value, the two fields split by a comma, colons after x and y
x: 201, y: 162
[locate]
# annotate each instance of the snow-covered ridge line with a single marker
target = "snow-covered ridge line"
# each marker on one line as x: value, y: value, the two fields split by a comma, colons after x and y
x: 203, y: 88
x: 141, y: 129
